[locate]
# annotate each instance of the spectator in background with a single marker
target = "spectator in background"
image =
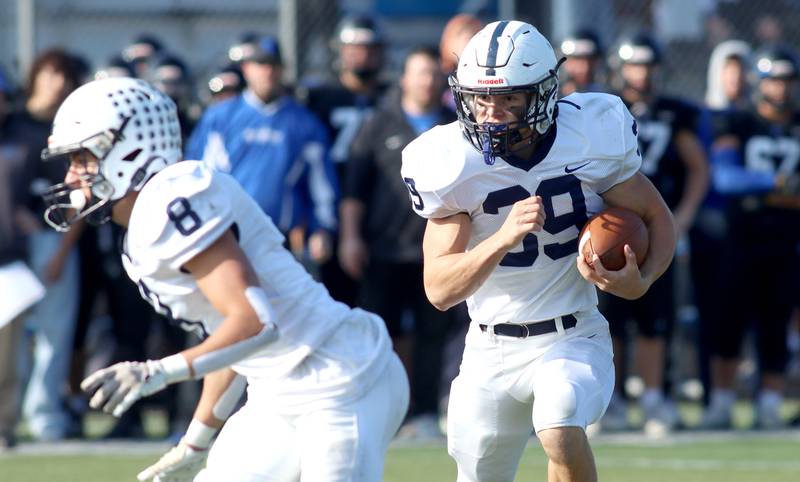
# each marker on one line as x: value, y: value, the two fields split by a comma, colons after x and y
x: 142, y: 53
x: 224, y: 83
x: 116, y: 67
x: 585, y: 54
x: 381, y: 245
x: 726, y: 94
x: 342, y: 105
x: 726, y: 86
x: 455, y: 36
x: 275, y: 148
x: 755, y: 164
x: 768, y: 29
x: 675, y: 162
x: 171, y: 76
x: 54, y: 74
x: 12, y: 249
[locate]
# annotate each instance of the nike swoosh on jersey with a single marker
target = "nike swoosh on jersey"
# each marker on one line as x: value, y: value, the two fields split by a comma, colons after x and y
x: 568, y: 170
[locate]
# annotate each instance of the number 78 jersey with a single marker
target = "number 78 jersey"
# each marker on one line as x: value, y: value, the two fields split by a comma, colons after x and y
x: 591, y: 147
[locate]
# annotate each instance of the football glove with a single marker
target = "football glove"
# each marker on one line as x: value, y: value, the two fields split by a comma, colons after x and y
x: 119, y: 386
x: 180, y: 464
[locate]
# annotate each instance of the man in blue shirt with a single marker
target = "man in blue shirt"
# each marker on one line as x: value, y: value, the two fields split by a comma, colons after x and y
x: 275, y: 148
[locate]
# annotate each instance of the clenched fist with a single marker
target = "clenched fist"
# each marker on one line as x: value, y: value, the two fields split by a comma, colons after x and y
x: 526, y: 216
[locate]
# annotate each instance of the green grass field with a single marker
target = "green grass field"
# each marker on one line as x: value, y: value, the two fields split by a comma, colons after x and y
x: 748, y: 458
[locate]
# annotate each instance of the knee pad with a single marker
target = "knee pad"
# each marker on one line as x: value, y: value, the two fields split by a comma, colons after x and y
x: 556, y: 403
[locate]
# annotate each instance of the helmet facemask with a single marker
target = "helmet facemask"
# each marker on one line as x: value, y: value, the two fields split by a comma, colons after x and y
x: 501, y: 139
x: 66, y: 203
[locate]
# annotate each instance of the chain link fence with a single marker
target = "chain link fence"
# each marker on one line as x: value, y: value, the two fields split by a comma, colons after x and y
x: 201, y: 31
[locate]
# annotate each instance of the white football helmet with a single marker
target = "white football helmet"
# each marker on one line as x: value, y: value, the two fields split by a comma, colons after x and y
x: 506, y: 57
x: 129, y: 126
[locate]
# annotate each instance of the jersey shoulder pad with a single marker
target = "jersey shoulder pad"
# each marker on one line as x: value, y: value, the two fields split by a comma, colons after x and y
x: 602, y: 120
x: 606, y: 134
x: 433, y: 163
x: 180, y: 213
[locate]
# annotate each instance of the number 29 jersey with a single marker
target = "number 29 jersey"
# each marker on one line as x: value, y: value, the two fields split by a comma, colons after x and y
x: 591, y: 147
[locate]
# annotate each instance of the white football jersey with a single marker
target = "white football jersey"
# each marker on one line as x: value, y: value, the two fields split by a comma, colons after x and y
x: 591, y: 147
x: 179, y: 213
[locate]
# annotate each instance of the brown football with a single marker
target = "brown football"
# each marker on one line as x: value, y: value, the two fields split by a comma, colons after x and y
x: 606, y: 234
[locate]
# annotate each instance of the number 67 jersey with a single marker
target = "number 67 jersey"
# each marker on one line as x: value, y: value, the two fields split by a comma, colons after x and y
x: 591, y: 147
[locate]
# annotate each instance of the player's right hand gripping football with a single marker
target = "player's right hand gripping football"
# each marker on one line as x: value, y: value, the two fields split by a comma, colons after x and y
x: 180, y: 464
x: 626, y: 283
x: 526, y: 216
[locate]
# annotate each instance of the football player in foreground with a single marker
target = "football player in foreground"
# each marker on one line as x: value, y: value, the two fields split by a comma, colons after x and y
x: 506, y: 190
x: 325, y: 391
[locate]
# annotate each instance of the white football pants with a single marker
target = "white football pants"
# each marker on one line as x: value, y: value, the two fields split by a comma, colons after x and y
x: 508, y: 386
x: 332, y: 430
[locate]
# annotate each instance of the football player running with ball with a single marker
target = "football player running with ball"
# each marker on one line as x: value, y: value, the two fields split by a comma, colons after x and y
x: 325, y: 391
x: 506, y: 190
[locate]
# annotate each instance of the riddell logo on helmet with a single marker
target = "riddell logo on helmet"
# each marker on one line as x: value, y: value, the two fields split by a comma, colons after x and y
x: 491, y: 81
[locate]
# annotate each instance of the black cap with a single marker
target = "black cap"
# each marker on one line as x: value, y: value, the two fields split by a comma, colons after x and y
x: 641, y: 48
x: 142, y: 48
x: 583, y: 43
x: 358, y: 30
x: 170, y: 69
x: 226, y: 79
x: 244, y: 46
x: 776, y: 62
x: 115, y: 67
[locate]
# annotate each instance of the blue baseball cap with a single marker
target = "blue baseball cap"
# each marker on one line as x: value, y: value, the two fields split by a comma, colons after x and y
x: 266, y: 51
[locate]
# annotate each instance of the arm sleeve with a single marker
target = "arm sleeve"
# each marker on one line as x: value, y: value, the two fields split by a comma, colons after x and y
x: 731, y: 177
x: 361, y: 164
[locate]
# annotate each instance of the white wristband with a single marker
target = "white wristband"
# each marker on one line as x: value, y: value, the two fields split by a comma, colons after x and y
x: 176, y: 368
x: 199, y: 434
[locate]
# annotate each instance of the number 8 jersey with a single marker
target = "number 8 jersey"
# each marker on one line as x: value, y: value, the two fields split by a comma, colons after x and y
x: 591, y: 147
x: 178, y: 214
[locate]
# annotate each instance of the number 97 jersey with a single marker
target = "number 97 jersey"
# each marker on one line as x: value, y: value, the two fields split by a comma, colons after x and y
x: 591, y: 147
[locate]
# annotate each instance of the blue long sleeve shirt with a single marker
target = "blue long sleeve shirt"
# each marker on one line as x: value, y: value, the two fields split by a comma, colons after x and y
x: 278, y: 152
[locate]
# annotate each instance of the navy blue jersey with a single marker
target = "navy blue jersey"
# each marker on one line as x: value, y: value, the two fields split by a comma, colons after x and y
x: 342, y: 111
x: 279, y: 154
x: 658, y: 124
x: 766, y: 148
